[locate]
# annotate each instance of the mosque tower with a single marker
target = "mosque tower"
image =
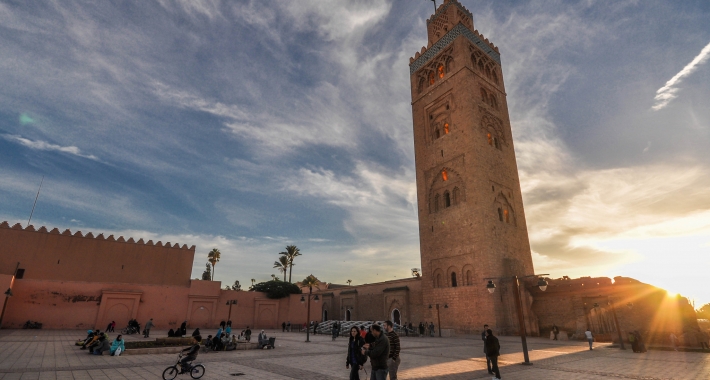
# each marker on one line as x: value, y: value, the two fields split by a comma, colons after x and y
x: 471, y: 220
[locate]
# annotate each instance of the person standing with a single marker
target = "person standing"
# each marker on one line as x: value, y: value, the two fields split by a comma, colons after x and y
x: 146, y: 330
x: 355, y: 359
x: 315, y: 327
x: 288, y: 326
x: 431, y: 329
x: 485, y: 351
x: 555, y: 331
x: 493, y: 352
x: 247, y: 334
x: 393, y: 360
x: 590, y: 338
x: 421, y: 329
x: 378, y: 352
x: 283, y: 327
x: 335, y: 330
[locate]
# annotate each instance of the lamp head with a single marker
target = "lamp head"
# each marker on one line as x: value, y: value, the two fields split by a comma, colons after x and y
x: 316, y: 298
x: 8, y: 292
x: 542, y: 284
x: 303, y: 299
x: 491, y: 286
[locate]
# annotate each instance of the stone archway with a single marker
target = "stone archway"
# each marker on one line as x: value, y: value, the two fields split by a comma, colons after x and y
x: 325, y: 315
x: 200, y: 317
x: 347, y: 315
x: 119, y: 313
x: 396, y: 316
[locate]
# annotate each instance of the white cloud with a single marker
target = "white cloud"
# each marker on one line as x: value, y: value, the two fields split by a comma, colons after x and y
x: 669, y: 91
x: 43, y: 145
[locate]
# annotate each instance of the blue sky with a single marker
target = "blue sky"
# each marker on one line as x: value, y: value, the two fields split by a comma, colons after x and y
x: 250, y: 125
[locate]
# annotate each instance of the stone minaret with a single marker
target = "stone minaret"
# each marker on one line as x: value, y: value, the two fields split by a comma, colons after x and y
x: 471, y: 219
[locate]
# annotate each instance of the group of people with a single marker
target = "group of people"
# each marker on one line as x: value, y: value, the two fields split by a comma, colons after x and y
x: 286, y: 326
x: 425, y: 328
x: 179, y: 332
x: 97, y: 343
x: 380, y: 347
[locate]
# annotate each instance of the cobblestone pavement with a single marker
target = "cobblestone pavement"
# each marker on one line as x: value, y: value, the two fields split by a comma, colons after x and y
x: 48, y: 354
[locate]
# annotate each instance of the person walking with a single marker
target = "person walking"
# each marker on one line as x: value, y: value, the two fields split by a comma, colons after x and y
x: 146, y: 330
x: 393, y: 360
x: 493, y: 352
x: 485, y: 351
x: 355, y: 359
x: 378, y: 352
x: 590, y: 338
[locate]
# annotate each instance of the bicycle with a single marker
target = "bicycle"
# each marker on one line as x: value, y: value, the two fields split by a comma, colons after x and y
x: 196, y: 371
x: 130, y: 330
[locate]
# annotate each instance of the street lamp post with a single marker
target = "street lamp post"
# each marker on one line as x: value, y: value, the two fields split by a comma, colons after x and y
x: 8, y: 294
x: 542, y: 284
x: 308, y: 318
x: 230, y: 303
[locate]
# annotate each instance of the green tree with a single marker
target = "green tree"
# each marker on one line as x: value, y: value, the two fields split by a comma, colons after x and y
x: 237, y: 286
x: 282, y: 265
x: 207, y: 274
x: 291, y: 253
x: 704, y: 311
x: 275, y: 289
x: 213, y: 257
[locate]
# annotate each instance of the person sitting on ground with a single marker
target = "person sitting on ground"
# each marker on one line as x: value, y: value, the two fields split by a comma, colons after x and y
x: 92, y: 341
x: 217, y: 343
x: 89, y: 335
x: 171, y: 333
x: 208, y: 342
x: 225, y: 340
x: 102, y: 346
x: 196, y: 332
x: 183, y: 330
x: 118, y: 347
x: 190, y: 353
x: 263, y: 340
x: 232, y: 343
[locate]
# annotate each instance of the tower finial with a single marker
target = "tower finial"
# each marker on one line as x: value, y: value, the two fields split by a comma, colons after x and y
x: 434, y: 5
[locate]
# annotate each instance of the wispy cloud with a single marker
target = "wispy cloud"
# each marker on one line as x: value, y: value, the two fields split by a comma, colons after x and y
x: 43, y: 145
x: 667, y: 93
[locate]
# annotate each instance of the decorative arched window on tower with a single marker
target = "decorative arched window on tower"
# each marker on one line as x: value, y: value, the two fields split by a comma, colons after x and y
x: 484, y: 96
x: 506, y: 214
x: 495, y: 77
x: 444, y: 175
x: 469, y: 278
x: 446, y: 128
x: 437, y: 280
x: 480, y: 65
x: 431, y: 78
x: 453, y: 280
x: 421, y: 85
x: 447, y: 199
x: 494, y: 102
x: 500, y: 214
x: 436, y: 203
x: 441, y: 70
x: 456, y: 196
x: 490, y: 139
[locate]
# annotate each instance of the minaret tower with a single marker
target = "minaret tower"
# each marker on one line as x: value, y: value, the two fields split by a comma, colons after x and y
x: 471, y: 219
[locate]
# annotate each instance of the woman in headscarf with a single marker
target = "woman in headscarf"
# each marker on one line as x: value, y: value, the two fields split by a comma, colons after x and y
x: 118, y: 347
x: 196, y: 332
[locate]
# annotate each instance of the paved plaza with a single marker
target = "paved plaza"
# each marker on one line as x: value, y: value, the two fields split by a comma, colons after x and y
x: 50, y: 354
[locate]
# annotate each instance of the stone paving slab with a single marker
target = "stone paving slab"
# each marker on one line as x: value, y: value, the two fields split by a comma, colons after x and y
x: 48, y: 354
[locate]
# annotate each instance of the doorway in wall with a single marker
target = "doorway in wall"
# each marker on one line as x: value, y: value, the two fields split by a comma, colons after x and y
x: 396, y: 317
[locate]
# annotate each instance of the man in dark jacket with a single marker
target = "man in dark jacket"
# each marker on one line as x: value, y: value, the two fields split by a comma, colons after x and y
x: 488, y: 360
x: 378, y: 351
x: 103, y: 346
x: 493, y: 351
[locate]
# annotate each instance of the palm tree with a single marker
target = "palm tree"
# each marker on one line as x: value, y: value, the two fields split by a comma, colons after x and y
x: 291, y: 252
x: 213, y: 258
x: 282, y: 265
x: 349, y: 281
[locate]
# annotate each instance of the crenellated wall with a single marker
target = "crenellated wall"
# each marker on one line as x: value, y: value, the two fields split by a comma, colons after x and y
x: 51, y: 255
